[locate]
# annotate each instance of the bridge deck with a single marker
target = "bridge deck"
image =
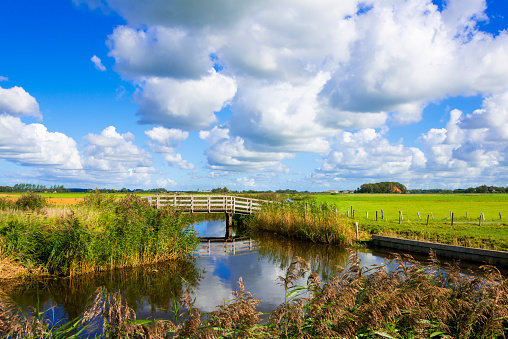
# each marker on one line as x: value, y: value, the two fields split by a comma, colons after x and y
x: 207, y: 203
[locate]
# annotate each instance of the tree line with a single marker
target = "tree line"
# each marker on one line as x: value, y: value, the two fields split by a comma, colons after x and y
x: 33, y: 188
x: 478, y: 189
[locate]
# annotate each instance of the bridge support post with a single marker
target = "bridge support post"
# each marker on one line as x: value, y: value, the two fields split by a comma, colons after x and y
x: 229, y: 225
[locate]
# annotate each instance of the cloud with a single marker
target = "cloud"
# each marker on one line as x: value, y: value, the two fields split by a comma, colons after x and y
x: 280, y: 117
x: 379, y: 66
x: 2, y: 78
x: 472, y: 145
x: 159, y: 52
x: 165, y: 183
x: 406, y: 54
x: 111, y: 157
x: 17, y: 102
x: 321, y: 78
x: 165, y: 141
x: 192, y: 13
x: 186, y: 104
x: 111, y: 151
x: 98, y: 64
x: 228, y: 153
x: 33, y: 145
x: 367, y: 154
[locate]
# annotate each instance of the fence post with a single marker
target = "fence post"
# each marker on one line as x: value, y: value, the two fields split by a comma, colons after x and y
x: 348, y: 213
x: 356, y: 226
x: 467, y: 215
x: 480, y: 223
x: 367, y: 215
x: 382, y: 215
x: 419, y: 216
x: 158, y: 201
x: 376, y: 215
x: 483, y: 216
x: 500, y: 216
x: 432, y: 215
x: 400, y: 217
x: 452, y: 218
x: 428, y: 217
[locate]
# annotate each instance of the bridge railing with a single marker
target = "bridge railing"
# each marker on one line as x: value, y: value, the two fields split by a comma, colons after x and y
x: 207, y: 203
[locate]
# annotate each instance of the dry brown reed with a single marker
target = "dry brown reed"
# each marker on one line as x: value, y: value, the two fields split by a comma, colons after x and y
x: 317, y: 223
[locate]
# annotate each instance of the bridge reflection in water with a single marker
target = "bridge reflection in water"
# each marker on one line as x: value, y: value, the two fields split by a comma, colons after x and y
x: 220, y: 246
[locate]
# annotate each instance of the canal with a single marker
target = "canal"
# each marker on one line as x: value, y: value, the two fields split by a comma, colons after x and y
x: 151, y: 290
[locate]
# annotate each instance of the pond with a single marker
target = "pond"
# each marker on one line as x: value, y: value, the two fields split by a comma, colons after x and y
x: 151, y: 290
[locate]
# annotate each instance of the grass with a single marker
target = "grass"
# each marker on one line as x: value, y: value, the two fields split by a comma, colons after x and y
x: 99, y: 234
x: 491, y: 234
x: 411, y: 301
x: 440, y: 205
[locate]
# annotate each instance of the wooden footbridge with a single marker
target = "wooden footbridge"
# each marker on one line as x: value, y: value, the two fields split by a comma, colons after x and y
x: 227, y: 204
x: 207, y: 203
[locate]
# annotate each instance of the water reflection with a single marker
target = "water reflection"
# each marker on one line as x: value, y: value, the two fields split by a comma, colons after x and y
x: 216, y: 228
x: 149, y: 290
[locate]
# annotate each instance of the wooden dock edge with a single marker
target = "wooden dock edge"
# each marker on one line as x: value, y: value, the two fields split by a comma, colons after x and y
x: 498, y: 258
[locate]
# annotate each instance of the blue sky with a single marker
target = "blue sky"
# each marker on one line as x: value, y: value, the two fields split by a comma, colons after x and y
x: 258, y: 95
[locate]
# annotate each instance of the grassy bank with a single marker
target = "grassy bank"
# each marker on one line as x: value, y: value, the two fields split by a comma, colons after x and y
x: 319, y: 223
x: 411, y: 301
x: 101, y: 233
x: 427, y: 217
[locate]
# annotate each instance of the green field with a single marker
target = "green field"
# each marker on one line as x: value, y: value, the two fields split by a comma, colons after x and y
x: 492, y: 233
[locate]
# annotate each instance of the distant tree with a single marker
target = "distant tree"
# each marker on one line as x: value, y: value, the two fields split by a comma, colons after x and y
x: 382, y: 187
x: 482, y: 189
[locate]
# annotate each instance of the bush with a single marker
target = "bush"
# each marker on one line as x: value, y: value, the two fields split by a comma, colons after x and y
x: 31, y: 201
x: 6, y: 203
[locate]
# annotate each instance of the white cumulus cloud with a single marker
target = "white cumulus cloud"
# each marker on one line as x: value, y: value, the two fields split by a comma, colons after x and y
x: 112, y: 157
x: 16, y: 101
x: 34, y: 145
x: 187, y: 104
x: 228, y: 153
x: 165, y: 141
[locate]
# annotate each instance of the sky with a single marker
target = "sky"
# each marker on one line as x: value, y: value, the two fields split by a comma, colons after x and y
x: 253, y: 94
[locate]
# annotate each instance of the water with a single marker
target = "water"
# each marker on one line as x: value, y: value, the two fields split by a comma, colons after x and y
x: 151, y: 290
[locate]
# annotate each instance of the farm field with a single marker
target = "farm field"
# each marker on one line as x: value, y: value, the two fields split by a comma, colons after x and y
x: 60, y: 199
x: 492, y: 233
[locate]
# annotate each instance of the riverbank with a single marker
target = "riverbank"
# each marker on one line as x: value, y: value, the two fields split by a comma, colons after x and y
x: 99, y: 234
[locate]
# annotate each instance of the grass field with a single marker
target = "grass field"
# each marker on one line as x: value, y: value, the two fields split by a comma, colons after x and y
x: 466, y: 231
x: 440, y: 205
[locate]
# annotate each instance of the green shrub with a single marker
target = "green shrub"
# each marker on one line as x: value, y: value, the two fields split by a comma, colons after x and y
x: 5, y: 204
x: 31, y: 201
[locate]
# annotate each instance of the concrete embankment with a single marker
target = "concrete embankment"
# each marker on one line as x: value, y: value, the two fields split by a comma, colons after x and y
x: 498, y: 258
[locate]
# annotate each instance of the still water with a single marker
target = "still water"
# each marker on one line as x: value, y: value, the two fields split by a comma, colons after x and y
x: 151, y: 290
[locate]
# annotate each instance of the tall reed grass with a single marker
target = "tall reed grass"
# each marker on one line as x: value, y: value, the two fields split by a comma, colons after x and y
x: 320, y: 223
x: 102, y: 233
x: 410, y: 301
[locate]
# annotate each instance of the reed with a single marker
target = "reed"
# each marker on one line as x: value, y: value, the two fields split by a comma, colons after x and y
x: 99, y: 234
x: 320, y: 223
